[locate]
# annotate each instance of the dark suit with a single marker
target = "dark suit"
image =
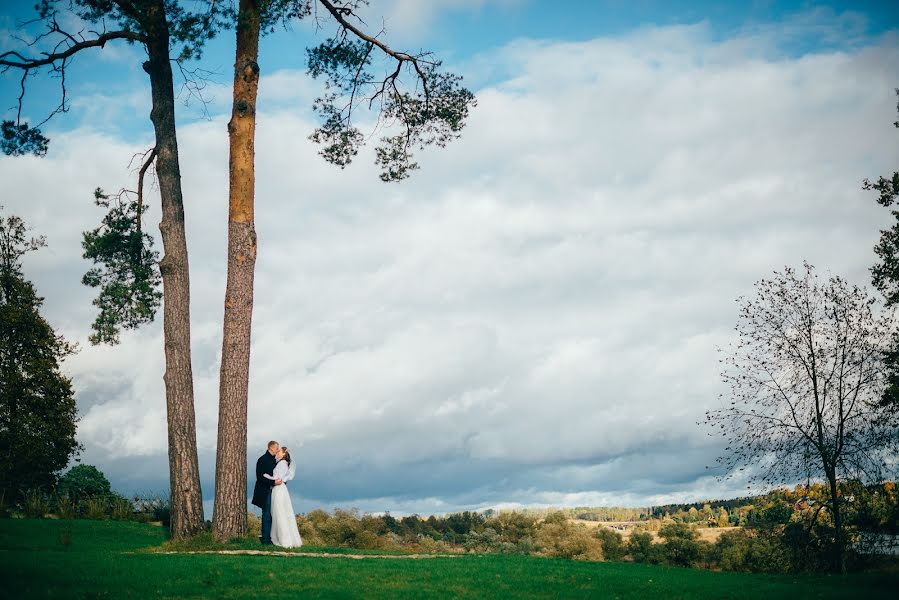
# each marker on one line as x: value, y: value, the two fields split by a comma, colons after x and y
x: 262, y: 493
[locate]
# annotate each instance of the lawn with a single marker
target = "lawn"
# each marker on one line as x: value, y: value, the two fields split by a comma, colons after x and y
x: 106, y: 559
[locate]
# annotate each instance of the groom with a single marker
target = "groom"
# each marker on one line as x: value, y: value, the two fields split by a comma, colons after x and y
x: 262, y: 493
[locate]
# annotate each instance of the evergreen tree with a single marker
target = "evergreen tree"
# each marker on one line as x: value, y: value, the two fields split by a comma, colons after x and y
x: 37, y: 404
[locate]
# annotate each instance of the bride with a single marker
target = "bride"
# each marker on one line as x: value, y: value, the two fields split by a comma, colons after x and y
x: 284, y: 522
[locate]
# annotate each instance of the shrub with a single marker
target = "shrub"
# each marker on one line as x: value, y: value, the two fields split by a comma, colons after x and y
x: 809, y: 548
x: 308, y: 532
x: 37, y: 505
x: 120, y: 509
x: 681, y: 546
x: 731, y: 549
x: 613, y: 547
x: 514, y: 527
x: 95, y: 507
x: 254, y: 527
x: 65, y: 507
x: 84, y: 481
x: 641, y: 548
x: 340, y: 529
x: 559, y: 538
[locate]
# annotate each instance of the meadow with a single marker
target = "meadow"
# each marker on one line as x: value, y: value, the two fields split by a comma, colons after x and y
x: 108, y: 559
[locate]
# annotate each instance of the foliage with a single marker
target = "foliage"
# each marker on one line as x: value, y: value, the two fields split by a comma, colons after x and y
x: 751, y: 550
x: 20, y: 139
x: 36, y: 505
x: 85, y: 481
x: 885, y: 274
x: 682, y: 547
x: 613, y: 546
x: 127, y: 272
x: 37, y: 404
x: 431, y: 113
x: 66, y: 506
x: 559, y: 538
x: 120, y: 508
x: 95, y: 507
x: 641, y: 548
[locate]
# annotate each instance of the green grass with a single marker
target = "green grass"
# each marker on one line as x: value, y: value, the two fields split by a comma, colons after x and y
x: 103, y: 559
x: 205, y: 542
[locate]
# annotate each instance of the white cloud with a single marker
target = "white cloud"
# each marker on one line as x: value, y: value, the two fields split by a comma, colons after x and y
x: 533, y: 317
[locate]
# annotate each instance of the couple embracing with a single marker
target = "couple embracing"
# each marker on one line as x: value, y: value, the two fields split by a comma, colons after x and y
x: 279, y: 524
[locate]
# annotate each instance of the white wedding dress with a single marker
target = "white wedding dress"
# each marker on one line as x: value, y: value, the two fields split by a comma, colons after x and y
x: 284, y: 521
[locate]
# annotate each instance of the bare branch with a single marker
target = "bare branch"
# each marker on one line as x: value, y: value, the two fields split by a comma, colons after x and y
x: 33, y: 63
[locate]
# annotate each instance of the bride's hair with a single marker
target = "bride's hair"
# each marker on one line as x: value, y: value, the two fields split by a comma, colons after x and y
x: 286, y: 454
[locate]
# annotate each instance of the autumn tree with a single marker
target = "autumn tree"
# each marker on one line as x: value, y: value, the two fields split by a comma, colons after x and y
x: 885, y: 274
x: 429, y: 111
x: 158, y: 26
x: 806, y: 376
x: 37, y: 403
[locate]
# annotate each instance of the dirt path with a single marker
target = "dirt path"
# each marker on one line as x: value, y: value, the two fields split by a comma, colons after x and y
x: 315, y: 554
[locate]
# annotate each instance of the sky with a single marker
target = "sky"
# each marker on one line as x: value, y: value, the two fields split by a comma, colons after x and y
x: 534, y: 317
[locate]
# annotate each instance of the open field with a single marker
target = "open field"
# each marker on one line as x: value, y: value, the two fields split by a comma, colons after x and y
x: 104, y: 559
x: 708, y: 534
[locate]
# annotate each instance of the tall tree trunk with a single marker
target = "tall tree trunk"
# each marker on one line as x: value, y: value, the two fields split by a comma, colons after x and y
x: 230, y: 511
x: 840, y: 550
x: 184, y: 470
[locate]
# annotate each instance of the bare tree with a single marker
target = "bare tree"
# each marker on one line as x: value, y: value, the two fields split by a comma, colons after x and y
x: 156, y: 25
x: 806, y: 376
x: 430, y: 112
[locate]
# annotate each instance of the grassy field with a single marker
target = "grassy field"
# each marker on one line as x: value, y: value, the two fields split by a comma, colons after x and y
x: 105, y: 559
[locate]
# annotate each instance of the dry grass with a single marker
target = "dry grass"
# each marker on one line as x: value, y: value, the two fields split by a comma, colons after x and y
x: 708, y: 534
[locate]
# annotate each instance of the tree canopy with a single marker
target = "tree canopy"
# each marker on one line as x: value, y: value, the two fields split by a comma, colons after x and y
x: 37, y: 404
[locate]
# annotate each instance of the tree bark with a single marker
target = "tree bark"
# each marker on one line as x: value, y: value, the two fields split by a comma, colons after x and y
x: 230, y: 511
x: 184, y: 471
x: 840, y: 550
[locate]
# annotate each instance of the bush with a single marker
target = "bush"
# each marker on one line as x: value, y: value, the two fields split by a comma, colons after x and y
x: 613, y: 547
x: 308, y: 532
x: 559, y: 538
x: 120, y: 509
x: 681, y: 546
x: 731, y: 549
x: 752, y: 550
x: 95, y: 507
x: 66, y: 507
x: 809, y: 548
x: 514, y: 527
x: 641, y: 548
x: 37, y: 505
x: 254, y: 527
x: 84, y: 481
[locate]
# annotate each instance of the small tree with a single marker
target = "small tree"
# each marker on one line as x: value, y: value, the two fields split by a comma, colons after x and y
x: 806, y: 376
x: 85, y: 481
x: 37, y: 404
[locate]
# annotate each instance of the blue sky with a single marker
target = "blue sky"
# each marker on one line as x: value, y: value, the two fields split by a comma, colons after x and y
x: 533, y: 317
x: 459, y: 31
